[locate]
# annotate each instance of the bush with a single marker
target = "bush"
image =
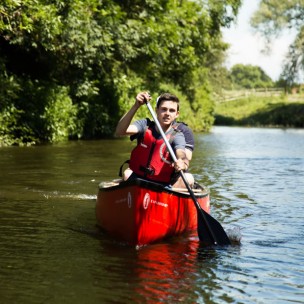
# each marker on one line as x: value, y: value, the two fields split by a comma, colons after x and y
x: 11, y: 132
x: 59, y: 115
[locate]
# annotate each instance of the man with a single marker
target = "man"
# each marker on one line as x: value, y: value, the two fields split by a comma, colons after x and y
x: 189, y: 138
x: 150, y: 158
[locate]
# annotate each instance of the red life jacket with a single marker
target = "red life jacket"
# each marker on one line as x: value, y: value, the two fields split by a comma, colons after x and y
x: 151, y: 159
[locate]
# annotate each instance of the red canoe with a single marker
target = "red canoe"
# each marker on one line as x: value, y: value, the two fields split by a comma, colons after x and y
x: 139, y: 212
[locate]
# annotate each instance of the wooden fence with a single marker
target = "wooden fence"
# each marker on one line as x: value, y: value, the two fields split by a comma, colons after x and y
x: 237, y: 94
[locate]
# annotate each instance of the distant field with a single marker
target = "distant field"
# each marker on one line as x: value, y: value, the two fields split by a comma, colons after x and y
x: 275, y: 110
x: 237, y: 94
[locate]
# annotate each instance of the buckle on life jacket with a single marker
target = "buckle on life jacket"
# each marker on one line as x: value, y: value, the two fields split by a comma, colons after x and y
x: 146, y: 170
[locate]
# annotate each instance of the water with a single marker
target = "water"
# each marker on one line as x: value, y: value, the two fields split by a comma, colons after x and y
x: 52, y: 252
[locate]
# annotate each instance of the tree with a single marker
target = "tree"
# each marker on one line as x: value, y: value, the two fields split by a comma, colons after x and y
x: 90, y: 57
x: 275, y: 16
x: 249, y: 77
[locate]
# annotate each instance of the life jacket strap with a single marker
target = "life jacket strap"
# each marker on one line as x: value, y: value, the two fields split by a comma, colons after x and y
x: 121, y: 167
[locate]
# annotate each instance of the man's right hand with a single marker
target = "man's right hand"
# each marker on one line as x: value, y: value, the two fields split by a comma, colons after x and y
x: 142, y: 97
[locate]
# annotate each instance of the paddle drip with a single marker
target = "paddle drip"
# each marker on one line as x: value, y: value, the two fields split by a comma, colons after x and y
x: 234, y: 234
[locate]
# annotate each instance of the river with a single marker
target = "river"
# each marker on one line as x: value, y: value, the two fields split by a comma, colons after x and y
x: 52, y: 252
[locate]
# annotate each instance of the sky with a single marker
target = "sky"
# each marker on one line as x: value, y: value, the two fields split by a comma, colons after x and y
x: 246, y: 46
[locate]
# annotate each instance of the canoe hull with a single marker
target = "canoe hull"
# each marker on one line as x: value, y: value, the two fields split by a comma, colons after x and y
x: 140, y: 212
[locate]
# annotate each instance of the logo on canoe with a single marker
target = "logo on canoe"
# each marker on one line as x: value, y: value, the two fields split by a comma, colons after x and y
x: 129, y: 200
x: 146, y: 200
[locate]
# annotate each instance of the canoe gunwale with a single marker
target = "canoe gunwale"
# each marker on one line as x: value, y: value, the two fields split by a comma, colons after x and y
x: 119, y: 184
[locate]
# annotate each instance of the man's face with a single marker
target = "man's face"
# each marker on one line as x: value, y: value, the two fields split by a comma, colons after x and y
x: 167, y: 112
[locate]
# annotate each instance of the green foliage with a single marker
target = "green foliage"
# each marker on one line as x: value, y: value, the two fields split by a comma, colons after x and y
x: 202, y: 104
x: 294, y: 62
x: 11, y: 131
x: 274, y: 17
x: 249, y: 77
x: 75, y: 66
x: 43, y: 113
x: 59, y: 115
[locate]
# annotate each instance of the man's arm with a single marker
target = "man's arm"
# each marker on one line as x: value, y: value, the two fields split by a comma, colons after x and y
x: 179, y: 144
x: 188, y: 154
x: 189, y: 138
x: 124, y: 126
x: 182, y: 162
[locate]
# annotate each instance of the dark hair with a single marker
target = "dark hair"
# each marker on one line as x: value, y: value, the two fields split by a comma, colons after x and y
x: 166, y: 97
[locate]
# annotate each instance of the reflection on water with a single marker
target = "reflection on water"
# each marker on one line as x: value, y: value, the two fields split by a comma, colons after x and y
x: 52, y: 252
x: 178, y: 270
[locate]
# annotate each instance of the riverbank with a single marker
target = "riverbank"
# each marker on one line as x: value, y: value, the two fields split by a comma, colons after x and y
x: 265, y: 111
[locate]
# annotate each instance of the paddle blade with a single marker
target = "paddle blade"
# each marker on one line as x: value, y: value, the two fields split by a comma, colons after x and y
x: 205, y: 224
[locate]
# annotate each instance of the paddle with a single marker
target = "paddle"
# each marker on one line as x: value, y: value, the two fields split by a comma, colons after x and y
x: 210, y: 231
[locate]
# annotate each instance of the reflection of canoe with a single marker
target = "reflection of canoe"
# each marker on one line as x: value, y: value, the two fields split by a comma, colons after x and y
x: 139, y: 212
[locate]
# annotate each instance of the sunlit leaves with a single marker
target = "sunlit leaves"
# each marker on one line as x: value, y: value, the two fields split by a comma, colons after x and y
x: 97, y: 54
x: 249, y: 77
x: 294, y: 62
x: 275, y: 16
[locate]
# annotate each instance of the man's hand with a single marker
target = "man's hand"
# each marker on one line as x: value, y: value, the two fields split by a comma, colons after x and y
x: 179, y: 165
x: 124, y: 126
x: 142, y: 97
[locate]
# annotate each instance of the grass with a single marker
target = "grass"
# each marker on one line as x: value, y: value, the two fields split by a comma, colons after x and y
x: 270, y: 111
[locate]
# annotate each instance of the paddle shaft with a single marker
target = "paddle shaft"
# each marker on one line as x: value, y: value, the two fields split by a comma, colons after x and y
x: 199, y: 208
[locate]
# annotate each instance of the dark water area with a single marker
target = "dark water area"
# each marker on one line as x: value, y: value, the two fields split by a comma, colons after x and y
x: 52, y: 252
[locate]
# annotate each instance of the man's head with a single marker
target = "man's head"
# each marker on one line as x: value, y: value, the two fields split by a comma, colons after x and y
x: 167, y: 96
x: 167, y: 109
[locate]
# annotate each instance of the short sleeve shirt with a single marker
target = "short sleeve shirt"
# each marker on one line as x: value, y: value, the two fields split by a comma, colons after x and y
x: 189, y: 138
x: 177, y: 143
